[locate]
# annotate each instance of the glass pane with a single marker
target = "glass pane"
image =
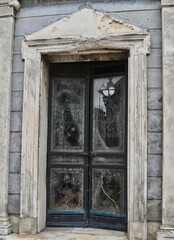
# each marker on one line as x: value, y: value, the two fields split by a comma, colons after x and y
x: 108, y: 160
x: 67, y: 130
x: 108, y: 190
x: 108, y: 114
x: 66, y: 188
x: 66, y: 160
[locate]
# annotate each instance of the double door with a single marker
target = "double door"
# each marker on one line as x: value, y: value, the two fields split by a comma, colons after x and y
x: 87, y: 145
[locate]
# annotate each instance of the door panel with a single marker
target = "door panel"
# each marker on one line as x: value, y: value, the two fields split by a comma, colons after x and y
x: 67, y: 142
x: 66, y: 188
x: 67, y: 126
x: 87, y: 147
x: 108, y: 189
x: 108, y: 199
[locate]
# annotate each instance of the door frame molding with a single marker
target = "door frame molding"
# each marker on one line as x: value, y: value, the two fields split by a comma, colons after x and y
x: 38, y: 53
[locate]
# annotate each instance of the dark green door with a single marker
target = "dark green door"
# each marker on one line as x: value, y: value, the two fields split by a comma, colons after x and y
x: 87, y: 145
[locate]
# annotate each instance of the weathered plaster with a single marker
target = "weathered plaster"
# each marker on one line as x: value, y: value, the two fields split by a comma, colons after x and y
x: 167, y: 229
x: 98, y: 24
x: 101, y: 35
x: 6, y: 50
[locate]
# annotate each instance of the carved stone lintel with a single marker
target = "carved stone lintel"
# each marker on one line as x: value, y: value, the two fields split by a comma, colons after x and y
x: 167, y: 3
x: 15, y: 4
x: 4, y: 2
x: 6, y: 11
x: 10, y: 3
x: 5, y: 226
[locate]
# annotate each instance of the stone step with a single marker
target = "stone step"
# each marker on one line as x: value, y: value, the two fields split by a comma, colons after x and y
x: 71, y: 234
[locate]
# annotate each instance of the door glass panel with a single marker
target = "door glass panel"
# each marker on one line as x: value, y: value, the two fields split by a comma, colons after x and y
x: 66, y: 188
x: 108, y: 190
x: 108, y: 114
x: 67, y: 126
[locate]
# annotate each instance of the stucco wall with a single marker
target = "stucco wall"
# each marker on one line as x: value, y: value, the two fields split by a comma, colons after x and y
x: 145, y: 14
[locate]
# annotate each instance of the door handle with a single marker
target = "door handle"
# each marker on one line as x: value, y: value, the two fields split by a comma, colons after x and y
x: 84, y: 154
x: 90, y: 154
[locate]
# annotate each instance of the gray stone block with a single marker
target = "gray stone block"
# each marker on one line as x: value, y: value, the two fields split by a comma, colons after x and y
x: 110, y: 6
x: 154, y: 77
x: 42, y: 10
x: 15, y: 162
x: 17, y: 45
x: 14, y: 183
x: 16, y: 101
x: 25, y: 26
x: 154, y: 143
x: 155, y: 120
x: 16, y: 121
x: 154, y: 185
x: 154, y: 165
x: 143, y: 19
x: 18, y: 64
x: 15, y: 141
x: 18, y: 82
x: 107, y: 6
x: 155, y: 58
x: 14, y: 204
x: 154, y: 99
x: 154, y: 210
x: 156, y: 38
x: 152, y: 228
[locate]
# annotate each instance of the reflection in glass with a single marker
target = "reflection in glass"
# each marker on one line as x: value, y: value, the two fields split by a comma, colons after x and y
x: 108, y: 114
x: 67, y: 131
x: 66, y: 188
x: 108, y: 190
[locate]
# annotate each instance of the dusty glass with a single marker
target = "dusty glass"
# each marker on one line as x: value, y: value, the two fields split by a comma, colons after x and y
x: 108, y: 190
x: 67, y: 125
x: 66, y: 188
x: 109, y: 114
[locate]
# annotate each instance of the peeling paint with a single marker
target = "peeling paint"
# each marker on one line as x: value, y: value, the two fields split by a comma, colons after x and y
x: 99, y: 24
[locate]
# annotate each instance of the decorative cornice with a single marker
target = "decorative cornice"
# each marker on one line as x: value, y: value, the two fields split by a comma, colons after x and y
x: 167, y: 3
x: 15, y: 4
x: 12, y: 3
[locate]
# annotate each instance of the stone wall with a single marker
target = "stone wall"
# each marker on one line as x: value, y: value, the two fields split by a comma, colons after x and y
x: 141, y: 13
